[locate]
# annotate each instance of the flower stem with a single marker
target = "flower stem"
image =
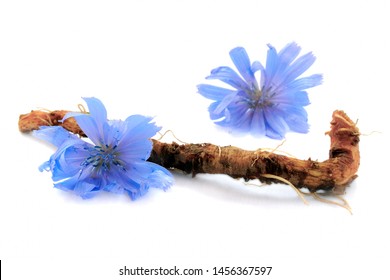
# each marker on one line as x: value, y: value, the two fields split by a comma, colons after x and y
x: 333, y: 174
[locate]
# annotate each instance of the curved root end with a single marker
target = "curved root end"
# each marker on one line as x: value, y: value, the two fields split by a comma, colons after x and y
x: 344, y: 150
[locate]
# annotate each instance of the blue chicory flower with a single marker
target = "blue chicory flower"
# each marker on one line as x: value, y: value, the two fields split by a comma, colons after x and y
x: 272, y: 106
x: 114, y: 160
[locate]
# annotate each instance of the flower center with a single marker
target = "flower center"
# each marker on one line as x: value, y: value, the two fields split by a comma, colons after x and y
x: 260, y: 99
x: 102, y: 158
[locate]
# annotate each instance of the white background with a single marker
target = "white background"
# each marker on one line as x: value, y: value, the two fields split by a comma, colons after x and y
x: 147, y: 57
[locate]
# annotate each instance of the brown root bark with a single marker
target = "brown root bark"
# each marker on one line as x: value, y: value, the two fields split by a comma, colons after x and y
x: 35, y: 119
x: 333, y: 174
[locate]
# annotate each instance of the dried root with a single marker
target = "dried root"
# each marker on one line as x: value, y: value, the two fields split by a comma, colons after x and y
x: 333, y: 174
x: 37, y: 118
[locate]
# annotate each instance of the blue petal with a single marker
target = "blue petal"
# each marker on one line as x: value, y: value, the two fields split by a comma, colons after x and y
x: 281, y: 69
x: 257, y: 66
x: 159, y: 177
x: 244, y: 122
x: 298, y: 67
x: 86, y: 189
x: 305, y: 83
x: 288, y: 54
x: 82, y: 185
x: 136, y: 120
x: 271, y: 66
x: 240, y: 118
x: 135, y: 194
x: 142, y: 176
x: 138, y: 129
x: 273, y: 134
x: 46, y: 166
x: 229, y: 76
x: 212, y: 108
x: 135, y: 150
x: 292, y: 97
x: 56, y: 135
x: 241, y: 60
x: 113, y: 132
x: 225, y: 102
x: 258, y: 122
x: 296, y: 118
x: 96, y: 109
x: 144, y: 132
x: 67, y: 160
x: 214, y: 92
x: 138, y: 172
x: 123, y: 180
x: 114, y: 188
x: 89, y: 126
x: 67, y: 185
x: 276, y: 126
